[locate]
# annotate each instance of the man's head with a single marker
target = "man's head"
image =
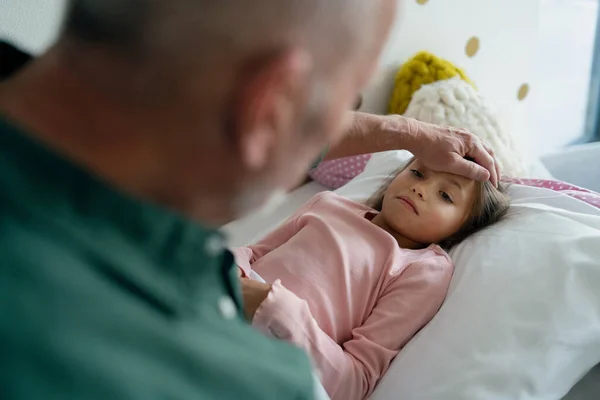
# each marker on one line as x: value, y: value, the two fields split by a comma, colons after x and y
x: 239, y: 96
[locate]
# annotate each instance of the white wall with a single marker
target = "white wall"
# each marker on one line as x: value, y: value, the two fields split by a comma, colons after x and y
x: 507, y: 30
x: 32, y: 24
x: 545, y: 43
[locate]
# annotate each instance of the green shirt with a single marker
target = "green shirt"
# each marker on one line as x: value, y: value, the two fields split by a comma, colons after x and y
x: 106, y: 297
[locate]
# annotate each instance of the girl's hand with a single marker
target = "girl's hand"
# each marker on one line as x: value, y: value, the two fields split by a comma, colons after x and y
x: 253, y: 293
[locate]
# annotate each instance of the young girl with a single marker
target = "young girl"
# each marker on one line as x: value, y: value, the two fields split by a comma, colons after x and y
x: 352, y: 283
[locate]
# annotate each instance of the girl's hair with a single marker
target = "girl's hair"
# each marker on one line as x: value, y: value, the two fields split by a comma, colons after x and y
x: 490, y: 206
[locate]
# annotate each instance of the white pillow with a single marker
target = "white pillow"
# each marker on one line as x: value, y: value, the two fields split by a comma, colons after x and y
x: 522, y: 317
x: 378, y: 170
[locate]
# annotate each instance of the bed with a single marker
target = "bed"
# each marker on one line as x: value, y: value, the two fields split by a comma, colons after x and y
x: 538, y: 342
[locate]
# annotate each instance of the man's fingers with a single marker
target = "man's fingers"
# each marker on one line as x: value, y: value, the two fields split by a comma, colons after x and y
x: 480, y: 163
x: 483, y: 157
x: 468, y: 169
x: 498, y: 174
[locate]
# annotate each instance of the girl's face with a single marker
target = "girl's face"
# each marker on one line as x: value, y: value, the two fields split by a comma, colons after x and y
x: 426, y: 206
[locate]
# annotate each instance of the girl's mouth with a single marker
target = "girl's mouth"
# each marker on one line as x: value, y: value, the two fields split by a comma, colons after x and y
x: 408, y: 203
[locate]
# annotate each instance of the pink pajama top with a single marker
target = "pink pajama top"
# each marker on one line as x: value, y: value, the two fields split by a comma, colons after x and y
x: 343, y: 290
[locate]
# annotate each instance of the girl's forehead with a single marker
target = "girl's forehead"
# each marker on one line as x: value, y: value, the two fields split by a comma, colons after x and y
x: 446, y: 175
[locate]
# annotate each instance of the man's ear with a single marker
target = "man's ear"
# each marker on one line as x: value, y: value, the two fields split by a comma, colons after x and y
x: 269, y: 99
x: 358, y: 102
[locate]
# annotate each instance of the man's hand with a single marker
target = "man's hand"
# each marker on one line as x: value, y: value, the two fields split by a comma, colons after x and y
x: 440, y: 148
x: 254, y: 293
x: 443, y: 148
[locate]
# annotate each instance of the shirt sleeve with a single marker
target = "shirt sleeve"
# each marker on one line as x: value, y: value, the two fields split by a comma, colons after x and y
x: 351, y: 370
x: 246, y: 256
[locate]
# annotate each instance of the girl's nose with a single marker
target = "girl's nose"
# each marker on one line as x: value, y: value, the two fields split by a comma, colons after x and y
x: 418, y: 191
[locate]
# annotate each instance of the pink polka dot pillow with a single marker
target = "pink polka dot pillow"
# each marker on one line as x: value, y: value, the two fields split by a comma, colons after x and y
x: 336, y: 173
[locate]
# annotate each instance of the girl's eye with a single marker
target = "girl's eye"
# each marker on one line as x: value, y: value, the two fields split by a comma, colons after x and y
x: 417, y: 173
x: 446, y: 197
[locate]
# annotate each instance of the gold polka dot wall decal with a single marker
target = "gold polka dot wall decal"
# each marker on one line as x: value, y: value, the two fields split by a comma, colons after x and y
x: 472, y: 46
x: 422, y: 1
x: 523, y: 91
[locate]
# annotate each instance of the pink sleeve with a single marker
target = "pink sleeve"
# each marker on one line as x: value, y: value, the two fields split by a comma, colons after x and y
x: 246, y: 256
x: 351, y: 370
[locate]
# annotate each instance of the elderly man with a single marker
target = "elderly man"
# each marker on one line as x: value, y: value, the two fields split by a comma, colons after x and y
x: 148, y: 123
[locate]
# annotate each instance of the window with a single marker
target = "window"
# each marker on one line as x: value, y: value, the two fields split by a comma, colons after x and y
x: 564, y: 72
x: 592, y: 123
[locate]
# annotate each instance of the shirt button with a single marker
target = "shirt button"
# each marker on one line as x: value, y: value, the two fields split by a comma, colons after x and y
x: 227, y: 308
x: 214, y: 245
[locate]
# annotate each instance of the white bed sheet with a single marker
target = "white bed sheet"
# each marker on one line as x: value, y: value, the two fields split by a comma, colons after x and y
x: 252, y: 228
